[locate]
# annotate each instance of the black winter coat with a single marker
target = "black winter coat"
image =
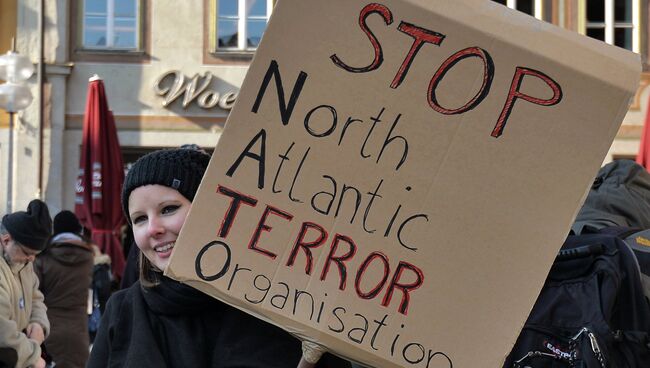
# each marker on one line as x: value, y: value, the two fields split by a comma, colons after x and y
x: 173, y: 325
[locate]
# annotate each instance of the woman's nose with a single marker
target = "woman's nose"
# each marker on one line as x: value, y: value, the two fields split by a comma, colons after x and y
x: 155, y: 227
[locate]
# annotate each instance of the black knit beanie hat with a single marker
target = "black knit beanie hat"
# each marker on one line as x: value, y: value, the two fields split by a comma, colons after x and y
x: 180, y: 168
x: 31, y: 228
x: 66, y: 222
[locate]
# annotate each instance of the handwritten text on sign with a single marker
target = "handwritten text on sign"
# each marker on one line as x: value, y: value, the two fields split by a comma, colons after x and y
x: 396, y: 286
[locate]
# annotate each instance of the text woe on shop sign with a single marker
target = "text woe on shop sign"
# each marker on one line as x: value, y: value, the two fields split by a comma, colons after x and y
x: 396, y: 177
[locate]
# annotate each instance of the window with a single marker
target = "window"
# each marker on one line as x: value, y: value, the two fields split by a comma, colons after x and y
x: 530, y: 7
x: 111, y: 25
x: 240, y: 24
x: 614, y: 21
x: 110, y: 31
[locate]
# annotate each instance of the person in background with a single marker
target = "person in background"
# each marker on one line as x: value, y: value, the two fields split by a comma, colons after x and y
x: 23, y: 315
x: 620, y: 197
x: 100, y: 290
x: 65, y: 273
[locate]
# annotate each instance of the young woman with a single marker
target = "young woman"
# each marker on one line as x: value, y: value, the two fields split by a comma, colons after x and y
x: 159, y: 322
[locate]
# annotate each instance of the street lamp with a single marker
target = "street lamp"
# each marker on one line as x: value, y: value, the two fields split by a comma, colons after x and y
x: 15, y: 69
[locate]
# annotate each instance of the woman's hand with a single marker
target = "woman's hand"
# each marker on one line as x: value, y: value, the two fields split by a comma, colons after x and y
x: 304, y: 364
x: 311, y: 353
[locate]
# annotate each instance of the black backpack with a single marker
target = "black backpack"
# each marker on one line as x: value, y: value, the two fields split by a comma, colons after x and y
x: 591, y: 312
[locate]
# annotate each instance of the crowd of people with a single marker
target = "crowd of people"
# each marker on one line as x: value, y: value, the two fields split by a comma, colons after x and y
x: 49, y: 299
x: 55, y: 285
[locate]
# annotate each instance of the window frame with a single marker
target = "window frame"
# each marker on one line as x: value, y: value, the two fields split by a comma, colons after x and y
x: 538, y: 6
x: 610, y: 25
x: 140, y: 54
x: 241, y: 51
x: 110, y: 27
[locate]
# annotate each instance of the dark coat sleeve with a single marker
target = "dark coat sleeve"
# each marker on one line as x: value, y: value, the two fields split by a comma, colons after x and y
x: 254, y: 343
x: 101, y: 352
x: 250, y: 342
x: 125, y: 338
x: 332, y: 361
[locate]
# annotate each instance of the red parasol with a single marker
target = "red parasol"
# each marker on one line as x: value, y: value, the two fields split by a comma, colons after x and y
x: 643, y: 158
x: 101, y: 175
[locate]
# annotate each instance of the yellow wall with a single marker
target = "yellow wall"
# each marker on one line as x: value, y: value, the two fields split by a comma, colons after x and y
x: 7, y: 32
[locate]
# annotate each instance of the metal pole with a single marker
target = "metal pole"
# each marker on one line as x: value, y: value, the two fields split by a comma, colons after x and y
x: 10, y: 171
x: 41, y: 103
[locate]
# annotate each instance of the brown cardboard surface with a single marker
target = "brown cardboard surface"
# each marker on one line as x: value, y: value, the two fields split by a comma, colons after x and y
x: 429, y: 230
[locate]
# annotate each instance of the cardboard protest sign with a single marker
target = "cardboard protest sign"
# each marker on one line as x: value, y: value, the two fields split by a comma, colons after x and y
x: 396, y: 178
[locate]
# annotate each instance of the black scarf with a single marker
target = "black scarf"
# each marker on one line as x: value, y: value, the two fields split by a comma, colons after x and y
x: 181, y: 321
x: 188, y: 328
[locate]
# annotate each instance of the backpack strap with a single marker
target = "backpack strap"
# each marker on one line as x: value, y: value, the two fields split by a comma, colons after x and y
x: 628, y: 236
x: 640, y: 244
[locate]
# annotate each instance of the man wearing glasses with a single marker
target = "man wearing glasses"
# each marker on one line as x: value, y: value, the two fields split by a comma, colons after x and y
x: 23, y: 318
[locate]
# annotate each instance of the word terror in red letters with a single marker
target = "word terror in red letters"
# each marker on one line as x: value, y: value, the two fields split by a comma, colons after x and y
x: 403, y: 279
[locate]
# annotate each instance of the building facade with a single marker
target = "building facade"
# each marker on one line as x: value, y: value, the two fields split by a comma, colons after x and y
x: 172, y: 71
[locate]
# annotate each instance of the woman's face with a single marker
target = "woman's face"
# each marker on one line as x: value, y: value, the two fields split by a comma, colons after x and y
x: 157, y: 213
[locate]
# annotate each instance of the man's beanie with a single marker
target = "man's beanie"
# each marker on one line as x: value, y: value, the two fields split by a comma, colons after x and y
x: 180, y: 168
x: 31, y: 228
x: 66, y: 222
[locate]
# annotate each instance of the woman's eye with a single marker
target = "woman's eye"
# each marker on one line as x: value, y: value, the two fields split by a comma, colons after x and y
x: 139, y: 219
x: 169, y: 209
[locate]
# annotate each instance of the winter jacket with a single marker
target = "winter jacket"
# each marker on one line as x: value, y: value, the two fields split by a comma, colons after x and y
x: 21, y: 303
x: 65, y: 272
x: 173, y: 325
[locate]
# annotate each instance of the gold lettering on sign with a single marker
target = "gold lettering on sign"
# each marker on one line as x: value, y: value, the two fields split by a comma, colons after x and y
x: 195, y: 90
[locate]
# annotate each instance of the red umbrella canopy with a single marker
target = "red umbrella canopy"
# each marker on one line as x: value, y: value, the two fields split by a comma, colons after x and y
x: 643, y: 157
x: 101, y: 175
